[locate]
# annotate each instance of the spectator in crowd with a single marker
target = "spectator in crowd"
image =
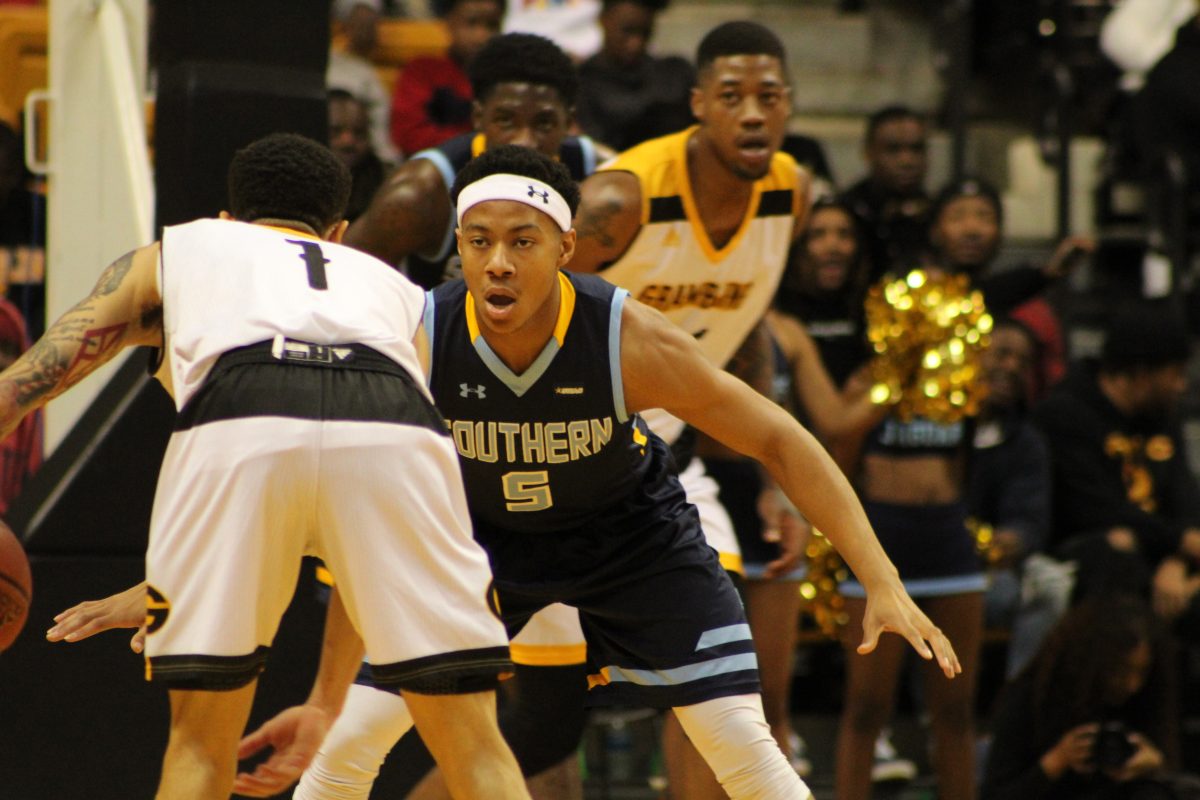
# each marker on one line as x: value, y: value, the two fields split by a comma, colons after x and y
x: 891, y: 202
x: 1009, y: 492
x: 824, y: 285
x: 571, y: 24
x: 350, y: 140
x: 965, y: 236
x: 627, y: 96
x: 1093, y: 717
x: 351, y: 68
x: 22, y: 232
x: 21, y: 452
x: 1126, y: 506
x: 432, y: 101
x: 1157, y: 45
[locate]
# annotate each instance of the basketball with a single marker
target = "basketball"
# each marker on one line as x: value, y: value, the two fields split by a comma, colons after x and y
x: 16, y: 587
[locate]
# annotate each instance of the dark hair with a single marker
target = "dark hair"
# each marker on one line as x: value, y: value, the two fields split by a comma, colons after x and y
x: 515, y: 160
x: 523, y: 58
x: 740, y: 38
x: 1144, y: 334
x: 966, y: 187
x: 888, y: 114
x: 654, y: 6
x: 442, y: 8
x: 790, y: 297
x: 336, y: 93
x: 288, y: 177
x: 1072, y: 668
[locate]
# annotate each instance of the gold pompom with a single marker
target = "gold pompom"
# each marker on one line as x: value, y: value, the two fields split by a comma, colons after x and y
x: 820, y: 586
x: 927, y: 331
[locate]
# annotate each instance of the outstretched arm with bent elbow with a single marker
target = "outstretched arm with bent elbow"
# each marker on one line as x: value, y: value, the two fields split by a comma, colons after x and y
x: 663, y: 367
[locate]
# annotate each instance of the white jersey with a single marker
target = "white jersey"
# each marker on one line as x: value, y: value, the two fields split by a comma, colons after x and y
x: 227, y: 284
x: 716, y: 294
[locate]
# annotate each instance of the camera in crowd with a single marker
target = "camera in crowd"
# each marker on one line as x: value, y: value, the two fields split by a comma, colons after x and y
x: 1112, y: 747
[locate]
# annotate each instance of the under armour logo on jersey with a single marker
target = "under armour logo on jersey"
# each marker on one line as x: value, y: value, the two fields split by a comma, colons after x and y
x: 466, y: 390
x: 545, y: 195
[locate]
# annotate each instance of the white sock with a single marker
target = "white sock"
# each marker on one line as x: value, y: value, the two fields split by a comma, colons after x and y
x: 732, y: 735
x: 371, y: 723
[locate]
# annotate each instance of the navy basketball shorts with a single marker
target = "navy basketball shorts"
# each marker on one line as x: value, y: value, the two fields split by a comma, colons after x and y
x: 666, y: 628
x: 930, y: 546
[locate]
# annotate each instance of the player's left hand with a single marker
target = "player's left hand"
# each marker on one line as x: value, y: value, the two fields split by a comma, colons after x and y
x: 889, y: 608
x: 125, y: 609
x: 782, y: 525
x: 294, y: 734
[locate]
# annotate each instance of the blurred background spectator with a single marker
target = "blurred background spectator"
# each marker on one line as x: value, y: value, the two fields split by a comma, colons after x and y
x: 1126, y: 506
x: 626, y: 95
x: 350, y: 139
x: 21, y: 452
x: 571, y: 24
x: 1093, y: 717
x: 432, y: 100
x: 351, y: 68
x: 22, y: 232
x: 891, y: 201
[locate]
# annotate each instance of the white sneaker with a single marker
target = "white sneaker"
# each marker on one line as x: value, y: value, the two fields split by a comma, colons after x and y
x: 889, y: 766
x: 798, y: 755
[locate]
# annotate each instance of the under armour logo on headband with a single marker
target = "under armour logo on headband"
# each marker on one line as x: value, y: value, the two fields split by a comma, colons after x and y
x: 517, y: 188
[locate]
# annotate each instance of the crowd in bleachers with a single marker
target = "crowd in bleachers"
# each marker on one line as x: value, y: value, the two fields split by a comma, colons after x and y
x: 1084, y: 536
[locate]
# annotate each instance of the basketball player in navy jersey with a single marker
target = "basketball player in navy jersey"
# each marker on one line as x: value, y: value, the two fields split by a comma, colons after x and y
x: 525, y: 90
x: 541, y: 375
x: 294, y: 363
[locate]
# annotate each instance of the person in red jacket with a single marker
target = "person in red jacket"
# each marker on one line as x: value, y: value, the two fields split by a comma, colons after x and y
x: 21, y: 452
x: 432, y: 101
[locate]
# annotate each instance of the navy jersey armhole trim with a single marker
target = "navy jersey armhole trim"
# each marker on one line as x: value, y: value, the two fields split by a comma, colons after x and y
x: 443, y: 165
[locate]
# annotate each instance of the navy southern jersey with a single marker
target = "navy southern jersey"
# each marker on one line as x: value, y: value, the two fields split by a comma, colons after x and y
x: 576, y: 153
x: 552, y: 449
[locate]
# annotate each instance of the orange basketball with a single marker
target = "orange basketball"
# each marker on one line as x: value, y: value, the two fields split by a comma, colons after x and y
x: 16, y: 587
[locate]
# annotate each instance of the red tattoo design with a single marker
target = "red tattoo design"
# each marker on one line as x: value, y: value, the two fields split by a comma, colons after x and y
x: 96, y: 343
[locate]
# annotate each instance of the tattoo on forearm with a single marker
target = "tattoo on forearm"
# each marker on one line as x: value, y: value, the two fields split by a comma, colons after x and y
x: 93, y: 350
x: 594, y: 222
x: 113, y: 275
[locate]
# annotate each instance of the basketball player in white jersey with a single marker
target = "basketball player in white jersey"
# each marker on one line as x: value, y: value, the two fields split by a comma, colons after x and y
x: 303, y: 426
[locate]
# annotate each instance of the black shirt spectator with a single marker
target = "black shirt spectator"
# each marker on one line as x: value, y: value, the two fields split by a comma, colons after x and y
x: 626, y: 95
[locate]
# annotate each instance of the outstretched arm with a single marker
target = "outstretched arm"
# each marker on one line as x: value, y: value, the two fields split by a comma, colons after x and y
x: 296, y: 733
x: 124, y: 309
x: 663, y: 367
x: 407, y: 216
x: 125, y: 609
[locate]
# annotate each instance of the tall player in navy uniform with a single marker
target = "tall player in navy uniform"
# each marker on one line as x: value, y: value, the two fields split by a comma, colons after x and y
x: 302, y: 426
x: 525, y: 89
x: 541, y: 375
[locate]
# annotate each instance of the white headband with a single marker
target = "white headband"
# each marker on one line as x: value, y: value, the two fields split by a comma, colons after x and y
x: 504, y: 186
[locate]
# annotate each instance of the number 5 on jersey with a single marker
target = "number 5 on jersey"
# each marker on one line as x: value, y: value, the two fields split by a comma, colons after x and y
x: 527, y: 491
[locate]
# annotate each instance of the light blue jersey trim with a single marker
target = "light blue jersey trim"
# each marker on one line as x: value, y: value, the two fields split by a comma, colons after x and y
x: 614, y: 353
x: 439, y: 160
x: 686, y: 674
x: 927, y: 587
x: 588, y: 148
x: 719, y: 636
x: 753, y: 571
x: 519, y: 384
x: 429, y: 329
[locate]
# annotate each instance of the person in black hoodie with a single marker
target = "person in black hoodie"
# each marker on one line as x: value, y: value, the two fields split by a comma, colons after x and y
x: 1126, y: 506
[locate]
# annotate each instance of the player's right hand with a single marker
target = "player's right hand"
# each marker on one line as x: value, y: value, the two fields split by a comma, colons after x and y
x: 125, y: 609
x: 294, y: 734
